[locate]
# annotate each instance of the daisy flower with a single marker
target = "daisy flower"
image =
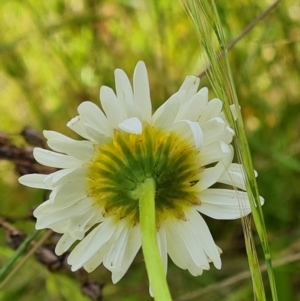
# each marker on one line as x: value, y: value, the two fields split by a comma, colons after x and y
x: 94, y: 201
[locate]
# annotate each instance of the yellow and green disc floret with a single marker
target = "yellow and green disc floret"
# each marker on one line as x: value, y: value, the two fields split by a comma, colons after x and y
x: 119, y: 167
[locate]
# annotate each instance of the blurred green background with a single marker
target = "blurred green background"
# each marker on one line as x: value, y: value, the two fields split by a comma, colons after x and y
x: 56, y: 54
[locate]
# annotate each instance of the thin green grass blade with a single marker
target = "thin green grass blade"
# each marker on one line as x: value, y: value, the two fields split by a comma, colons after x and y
x: 204, y: 15
x: 9, y: 264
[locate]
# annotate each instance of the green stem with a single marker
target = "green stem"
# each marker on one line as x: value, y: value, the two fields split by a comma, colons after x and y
x: 7, y: 267
x: 155, y: 270
x: 18, y: 266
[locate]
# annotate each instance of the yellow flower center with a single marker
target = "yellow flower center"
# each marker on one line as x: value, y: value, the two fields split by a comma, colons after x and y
x: 120, y: 166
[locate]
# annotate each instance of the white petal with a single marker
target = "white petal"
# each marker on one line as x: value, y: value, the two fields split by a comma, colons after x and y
x: 192, y: 242
x: 197, y: 133
x: 177, y: 248
x: 111, y: 106
x: 92, y: 114
x: 76, y: 125
x: 212, y: 110
x: 162, y: 246
x: 190, y: 84
x: 43, y: 208
x: 188, y: 129
x: 91, y: 244
x: 64, y: 243
x: 82, y: 150
x: 52, y: 135
x: 95, y: 135
x: 213, y: 130
x: 238, y: 168
x: 236, y: 180
x: 211, y: 175
x: 53, y: 159
x: 208, y: 243
x: 234, y: 176
x: 66, y: 175
x: 114, y: 255
x: 87, y: 129
x: 193, y: 108
x: 67, y: 194
x: 166, y: 113
x: 142, y: 91
x: 214, y: 152
x: 228, y: 135
x: 60, y: 227
x: 234, y: 111
x: 55, y: 135
x: 85, y: 221
x: 78, y: 225
x: 224, y: 203
x: 96, y: 259
x: 48, y: 207
x: 47, y: 220
x: 131, y: 125
x: 122, y: 83
x: 132, y: 247
x: 35, y: 180
x: 125, y: 94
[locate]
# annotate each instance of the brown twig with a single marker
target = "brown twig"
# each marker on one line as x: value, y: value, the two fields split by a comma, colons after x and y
x: 22, y: 157
x: 14, y: 237
x: 247, y: 29
x: 45, y: 255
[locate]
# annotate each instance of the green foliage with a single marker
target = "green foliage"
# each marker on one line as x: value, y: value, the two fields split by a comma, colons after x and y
x: 56, y: 54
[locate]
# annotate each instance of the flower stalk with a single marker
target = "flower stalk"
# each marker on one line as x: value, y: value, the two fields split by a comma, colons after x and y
x: 152, y: 257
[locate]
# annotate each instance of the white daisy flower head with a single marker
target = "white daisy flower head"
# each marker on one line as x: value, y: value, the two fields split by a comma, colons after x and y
x: 184, y: 146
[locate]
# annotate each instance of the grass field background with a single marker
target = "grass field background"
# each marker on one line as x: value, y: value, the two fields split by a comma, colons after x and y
x: 56, y: 54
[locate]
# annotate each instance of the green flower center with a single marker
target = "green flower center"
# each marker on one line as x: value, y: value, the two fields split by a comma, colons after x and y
x: 120, y: 166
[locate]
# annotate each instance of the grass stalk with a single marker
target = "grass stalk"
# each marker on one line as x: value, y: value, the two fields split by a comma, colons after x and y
x: 7, y: 269
x: 10, y: 263
x: 204, y: 15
